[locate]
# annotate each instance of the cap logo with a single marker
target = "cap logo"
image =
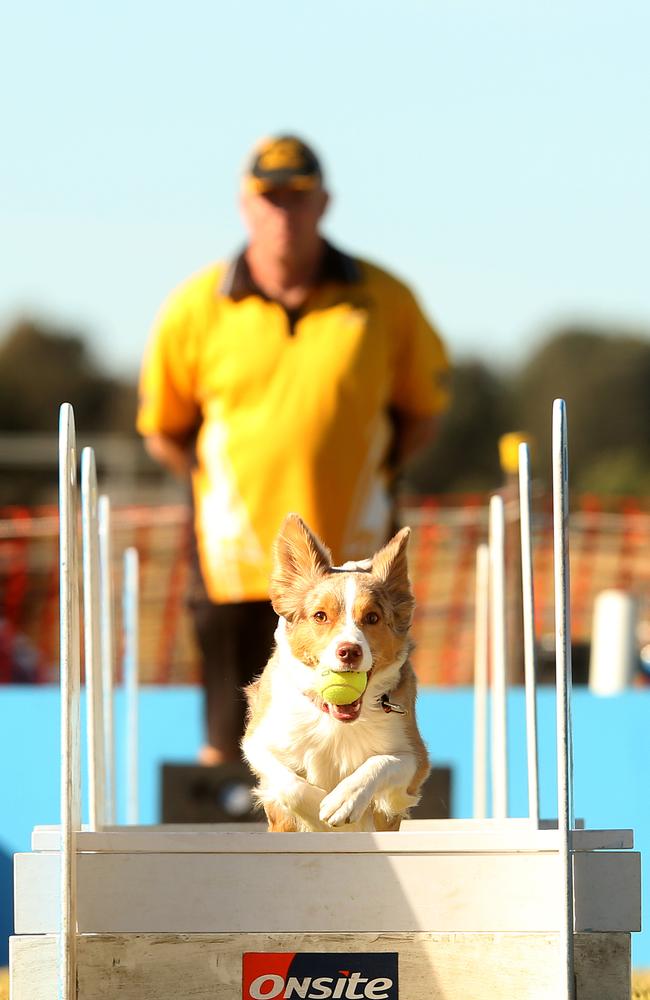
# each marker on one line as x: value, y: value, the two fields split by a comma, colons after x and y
x: 285, y: 154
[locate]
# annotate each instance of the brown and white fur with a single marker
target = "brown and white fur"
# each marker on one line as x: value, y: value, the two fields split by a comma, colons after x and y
x: 322, y: 767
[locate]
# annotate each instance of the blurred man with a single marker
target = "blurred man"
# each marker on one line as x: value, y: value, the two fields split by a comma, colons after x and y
x: 293, y: 377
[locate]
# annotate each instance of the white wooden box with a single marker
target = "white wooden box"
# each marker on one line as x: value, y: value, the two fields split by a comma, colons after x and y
x: 465, y: 902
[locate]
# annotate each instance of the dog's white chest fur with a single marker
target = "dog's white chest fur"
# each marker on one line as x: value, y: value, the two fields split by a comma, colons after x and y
x: 314, y: 745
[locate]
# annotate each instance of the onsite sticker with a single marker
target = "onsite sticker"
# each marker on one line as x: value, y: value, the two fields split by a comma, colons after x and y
x: 319, y: 975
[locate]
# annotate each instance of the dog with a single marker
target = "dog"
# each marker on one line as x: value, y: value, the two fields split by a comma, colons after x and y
x: 323, y: 767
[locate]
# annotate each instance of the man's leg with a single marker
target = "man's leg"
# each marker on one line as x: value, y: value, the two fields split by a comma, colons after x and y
x: 235, y: 642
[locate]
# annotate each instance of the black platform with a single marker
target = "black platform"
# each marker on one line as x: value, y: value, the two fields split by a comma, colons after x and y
x: 192, y: 793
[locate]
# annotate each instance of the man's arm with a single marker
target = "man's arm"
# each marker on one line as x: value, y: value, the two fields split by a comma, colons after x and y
x: 420, y: 393
x: 175, y: 455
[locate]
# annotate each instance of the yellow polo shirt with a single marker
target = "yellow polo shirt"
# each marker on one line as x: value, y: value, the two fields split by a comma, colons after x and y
x: 291, y: 412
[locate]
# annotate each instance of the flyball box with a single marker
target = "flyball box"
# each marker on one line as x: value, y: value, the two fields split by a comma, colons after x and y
x: 471, y: 907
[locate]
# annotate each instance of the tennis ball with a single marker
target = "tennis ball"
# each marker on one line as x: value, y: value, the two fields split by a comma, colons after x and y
x: 342, y: 687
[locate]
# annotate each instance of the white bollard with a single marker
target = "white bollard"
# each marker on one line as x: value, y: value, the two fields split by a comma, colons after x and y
x: 614, y: 653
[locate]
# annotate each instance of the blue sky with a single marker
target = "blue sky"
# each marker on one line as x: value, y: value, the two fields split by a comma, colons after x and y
x: 497, y: 155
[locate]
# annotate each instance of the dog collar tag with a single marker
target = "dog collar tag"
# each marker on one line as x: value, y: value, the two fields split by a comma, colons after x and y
x: 391, y: 706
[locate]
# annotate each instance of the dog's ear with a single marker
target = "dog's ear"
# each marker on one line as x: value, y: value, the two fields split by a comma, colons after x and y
x: 390, y: 563
x: 299, y: 558
x: 390, y: 566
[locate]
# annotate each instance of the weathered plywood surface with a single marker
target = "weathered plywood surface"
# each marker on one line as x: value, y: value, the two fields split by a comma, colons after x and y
x: 222, y: 893
x: 431, y: 966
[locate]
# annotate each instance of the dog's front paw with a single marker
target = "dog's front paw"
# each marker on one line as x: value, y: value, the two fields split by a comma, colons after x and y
x: 299, y: 799
x: 345, y: 804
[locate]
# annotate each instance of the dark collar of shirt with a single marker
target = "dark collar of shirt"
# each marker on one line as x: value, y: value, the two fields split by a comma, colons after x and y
x: 335, y: 266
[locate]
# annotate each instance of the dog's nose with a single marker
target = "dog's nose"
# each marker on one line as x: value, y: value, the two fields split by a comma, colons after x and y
x: 349, y: 652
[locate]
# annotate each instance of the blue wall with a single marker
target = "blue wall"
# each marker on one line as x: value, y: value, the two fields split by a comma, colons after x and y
x: 611, y: 749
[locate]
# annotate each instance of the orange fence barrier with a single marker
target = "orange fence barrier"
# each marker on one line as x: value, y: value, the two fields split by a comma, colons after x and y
x: 610, y: 547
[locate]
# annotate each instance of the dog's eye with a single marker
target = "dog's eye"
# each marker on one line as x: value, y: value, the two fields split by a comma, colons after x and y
x: 320, y: 616
x: 371, y: 618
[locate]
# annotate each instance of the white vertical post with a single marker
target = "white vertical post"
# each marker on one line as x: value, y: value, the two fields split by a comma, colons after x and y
x: 92, y: 644
x: 614, y: 651
x: 481, y: 665
x: 131, y: 678
x: 528, y: 607
x: 497, y: 600
x: 563, y: 691
x: 70, y: 682
x: 106, y: 630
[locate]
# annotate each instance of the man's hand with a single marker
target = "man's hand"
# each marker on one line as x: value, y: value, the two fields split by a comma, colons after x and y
x: 412, y: 434
x: 176, y: 456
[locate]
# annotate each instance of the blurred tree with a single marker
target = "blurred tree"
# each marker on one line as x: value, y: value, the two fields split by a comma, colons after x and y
x: 41, y: 367
x: 604, y: 376
x: 625, y: 471
x: 465, y: 456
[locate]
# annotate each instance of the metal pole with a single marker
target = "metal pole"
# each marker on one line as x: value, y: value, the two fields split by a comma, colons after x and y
x: 92, y: 646
x: 498, y: 659
x: 131, y: 678
x: 563, y: 690
x: 481, y: 665
x: 528, y: 608
x: 106, y: 631
x: 70, y: 721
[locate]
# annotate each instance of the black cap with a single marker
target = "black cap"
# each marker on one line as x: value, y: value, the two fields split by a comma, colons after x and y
x: 282, y: 161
